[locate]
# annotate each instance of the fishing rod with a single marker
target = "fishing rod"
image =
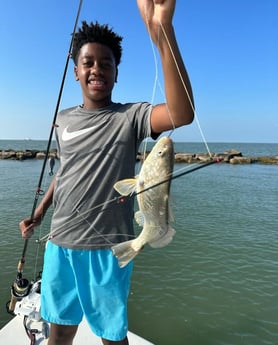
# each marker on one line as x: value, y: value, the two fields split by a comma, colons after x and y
x: 124, y: 198
x: 21, y: 286
x: 173, y: 176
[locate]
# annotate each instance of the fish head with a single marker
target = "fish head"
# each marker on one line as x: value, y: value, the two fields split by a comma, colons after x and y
x: 159, y: 162
x: 157, y: 166
x: 164, y: 148
x: 163, y: 151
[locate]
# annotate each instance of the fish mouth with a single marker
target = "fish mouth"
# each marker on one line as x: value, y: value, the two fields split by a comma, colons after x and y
x: 163, y: 150
x: 167, y: 143
x: 167, y: 140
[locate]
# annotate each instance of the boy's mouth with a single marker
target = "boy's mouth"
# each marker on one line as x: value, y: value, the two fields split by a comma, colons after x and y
x: 96, y: 84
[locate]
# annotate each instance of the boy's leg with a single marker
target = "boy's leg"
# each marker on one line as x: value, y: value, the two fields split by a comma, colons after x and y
x: 60, y: 334
x: 104, y: 298
x: 121, y: 342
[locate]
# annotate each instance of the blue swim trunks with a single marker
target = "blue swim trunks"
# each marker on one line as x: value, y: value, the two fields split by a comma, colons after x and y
x: 85, y: 282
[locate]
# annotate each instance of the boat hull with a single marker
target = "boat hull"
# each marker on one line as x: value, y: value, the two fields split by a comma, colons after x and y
x: 13, y: 333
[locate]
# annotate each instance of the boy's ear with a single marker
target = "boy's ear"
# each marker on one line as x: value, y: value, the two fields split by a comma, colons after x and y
x: 76, y: 73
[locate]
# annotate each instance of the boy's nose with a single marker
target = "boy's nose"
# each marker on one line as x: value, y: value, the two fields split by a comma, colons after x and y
x: 95, y: 69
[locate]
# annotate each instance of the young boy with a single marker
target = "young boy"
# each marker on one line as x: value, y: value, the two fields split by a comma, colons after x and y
x: 97, y: 146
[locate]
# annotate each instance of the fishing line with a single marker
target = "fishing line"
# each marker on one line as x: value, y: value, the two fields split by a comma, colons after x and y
x: 153, y: 88
x: 112, y: 202
x: 36, y: 270
x: 182, y: 81
x: 97, y: 209
x: 155, y: 60
x: 186, y: 91
x: 156, y: 82
x: 20, y: 282
x: 124, y: 198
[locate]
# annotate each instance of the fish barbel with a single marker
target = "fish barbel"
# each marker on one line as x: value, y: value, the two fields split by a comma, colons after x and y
x: 153, y: 200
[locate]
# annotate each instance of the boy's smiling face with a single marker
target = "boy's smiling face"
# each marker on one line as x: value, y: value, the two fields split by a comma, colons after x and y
x: 97, y: 72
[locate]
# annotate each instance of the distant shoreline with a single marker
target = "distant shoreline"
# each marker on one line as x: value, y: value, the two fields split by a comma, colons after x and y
x: 231, y: 156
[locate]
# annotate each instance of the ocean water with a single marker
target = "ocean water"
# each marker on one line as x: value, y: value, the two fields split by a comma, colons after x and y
x: 216, y: 283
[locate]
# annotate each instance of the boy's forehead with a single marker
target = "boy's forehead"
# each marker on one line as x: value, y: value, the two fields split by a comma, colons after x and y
x: 95, y: 49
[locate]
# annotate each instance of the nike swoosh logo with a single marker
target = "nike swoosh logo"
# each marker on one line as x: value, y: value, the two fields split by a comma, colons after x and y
x: 71, y: 135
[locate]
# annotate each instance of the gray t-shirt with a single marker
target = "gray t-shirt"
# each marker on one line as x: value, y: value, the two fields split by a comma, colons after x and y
x: 96, y: 149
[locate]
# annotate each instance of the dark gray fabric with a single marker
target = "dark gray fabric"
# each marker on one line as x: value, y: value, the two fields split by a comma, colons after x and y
x: 96, y: 149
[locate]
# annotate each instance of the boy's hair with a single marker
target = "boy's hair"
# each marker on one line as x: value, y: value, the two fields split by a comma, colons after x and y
x: 94, y: 32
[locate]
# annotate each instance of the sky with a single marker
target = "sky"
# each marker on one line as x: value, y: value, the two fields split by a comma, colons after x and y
x: 230, y: 49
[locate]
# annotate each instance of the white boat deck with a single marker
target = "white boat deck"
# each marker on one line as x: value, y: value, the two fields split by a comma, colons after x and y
x: 13, y: 333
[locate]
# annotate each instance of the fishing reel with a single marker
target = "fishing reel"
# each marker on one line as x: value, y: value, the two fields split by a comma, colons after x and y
x: 30, y: 304
x: 20, y: 289
x: 25, y: 299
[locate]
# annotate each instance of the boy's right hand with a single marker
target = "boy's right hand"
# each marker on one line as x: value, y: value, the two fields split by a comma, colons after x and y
x: 27, y: 227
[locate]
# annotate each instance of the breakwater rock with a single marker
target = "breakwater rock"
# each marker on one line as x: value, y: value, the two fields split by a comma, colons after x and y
x: 232, y: 156
x: 26, y: 154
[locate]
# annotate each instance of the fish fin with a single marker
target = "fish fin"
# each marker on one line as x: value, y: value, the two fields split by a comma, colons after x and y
x: 139, y: 217
x: 126, y: 187
x: 126, y: 251
x: 164, y: 240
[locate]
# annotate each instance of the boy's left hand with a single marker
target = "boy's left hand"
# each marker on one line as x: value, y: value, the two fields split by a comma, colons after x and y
x: 156, y: 12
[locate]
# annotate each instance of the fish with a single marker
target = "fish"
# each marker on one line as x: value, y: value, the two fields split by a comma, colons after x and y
x: 152, y: 188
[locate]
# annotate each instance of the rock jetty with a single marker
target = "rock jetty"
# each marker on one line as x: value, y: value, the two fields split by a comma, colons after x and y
x: 26, y: 154
x: 232, y: 156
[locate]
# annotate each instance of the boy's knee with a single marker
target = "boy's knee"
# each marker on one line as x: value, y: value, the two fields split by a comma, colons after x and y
x: 61, y: 334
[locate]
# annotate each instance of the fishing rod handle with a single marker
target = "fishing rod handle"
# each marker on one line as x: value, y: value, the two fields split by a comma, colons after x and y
x: 12, y: 303
x: 20, y: 266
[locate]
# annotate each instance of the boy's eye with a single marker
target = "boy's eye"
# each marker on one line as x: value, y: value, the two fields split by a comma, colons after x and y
x: 88, y: 63
x: 106, y: 65
x: 101, y: 64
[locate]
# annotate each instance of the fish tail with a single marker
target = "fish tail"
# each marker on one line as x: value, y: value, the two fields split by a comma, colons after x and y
x: 125, y: 252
